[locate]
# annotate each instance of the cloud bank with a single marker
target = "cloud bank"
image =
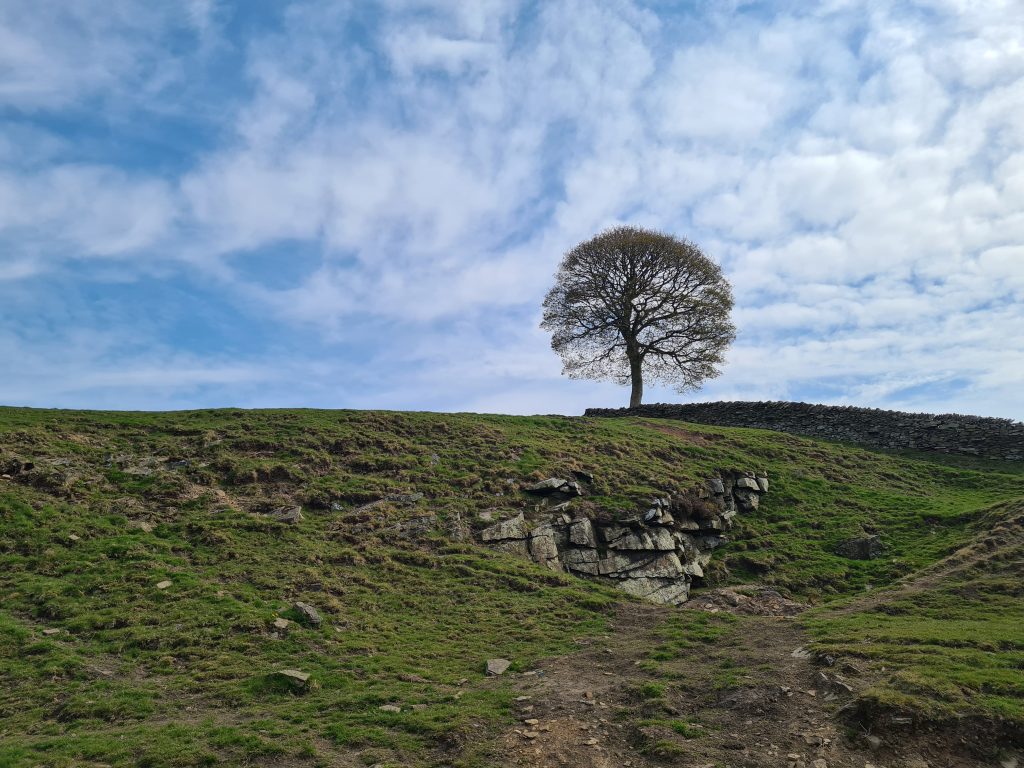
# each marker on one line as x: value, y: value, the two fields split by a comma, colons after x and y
x: 363, y: 205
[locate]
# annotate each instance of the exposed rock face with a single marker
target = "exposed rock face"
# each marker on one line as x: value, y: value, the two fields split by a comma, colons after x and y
x: 948, y: 433
x: 653, y: 556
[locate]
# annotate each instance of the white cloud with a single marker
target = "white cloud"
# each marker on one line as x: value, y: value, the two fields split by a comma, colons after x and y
x: 858, y: 167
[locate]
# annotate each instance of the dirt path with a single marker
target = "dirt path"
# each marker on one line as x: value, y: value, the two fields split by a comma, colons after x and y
x: 751, y: 697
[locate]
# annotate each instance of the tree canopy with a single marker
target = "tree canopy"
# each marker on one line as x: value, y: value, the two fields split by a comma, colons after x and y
x: 632, y: 302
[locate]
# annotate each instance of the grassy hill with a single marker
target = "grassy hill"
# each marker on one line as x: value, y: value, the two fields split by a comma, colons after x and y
x: 99, y: 664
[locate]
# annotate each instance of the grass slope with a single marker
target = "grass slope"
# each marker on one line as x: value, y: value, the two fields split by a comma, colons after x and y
x: 100, y: 507
x: 951, y: 638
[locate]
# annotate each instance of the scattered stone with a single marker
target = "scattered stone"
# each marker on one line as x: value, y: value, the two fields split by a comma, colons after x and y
x: 163, y: 584
x: 403, y: 499
x: 288, y: 515
x: 861, y: 548
x: 497, y: 666
x: 295, y: 678
x: 144, y: 525
x: 530, y: 734
x: 280, y: 623
x: 873, y: 741
x: 74, y: 537
x: 419, y: 707
x: 308, y: 613
x: 412, y: 678
x: 393, y: 708
x: 801, y: 653
x: 820, y: 764
x: 547, y: 487
x: 51, y: 631
x: 531, y: 721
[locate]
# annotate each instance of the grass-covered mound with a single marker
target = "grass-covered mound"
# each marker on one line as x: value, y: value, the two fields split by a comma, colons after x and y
x: 100, y: 508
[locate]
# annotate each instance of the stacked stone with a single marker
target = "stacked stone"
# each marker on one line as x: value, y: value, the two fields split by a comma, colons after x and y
x: 893, y: 430
x: 654, y: 556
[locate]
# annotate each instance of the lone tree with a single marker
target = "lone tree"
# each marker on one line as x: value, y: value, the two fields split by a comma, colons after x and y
x: 634, y: 300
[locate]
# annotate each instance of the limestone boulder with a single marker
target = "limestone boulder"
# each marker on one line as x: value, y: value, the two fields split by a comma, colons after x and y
x: 581, y: 533
x: 543, y: 547
x: 513, y: 528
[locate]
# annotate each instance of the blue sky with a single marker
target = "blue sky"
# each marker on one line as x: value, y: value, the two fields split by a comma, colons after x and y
x: 359, y: 204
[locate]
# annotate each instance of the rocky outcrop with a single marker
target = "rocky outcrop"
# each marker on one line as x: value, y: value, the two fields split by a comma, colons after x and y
x: 892, y: 430
x: 654, y: 555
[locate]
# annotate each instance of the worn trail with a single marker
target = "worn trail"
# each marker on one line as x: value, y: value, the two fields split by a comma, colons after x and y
x: 753, y: 697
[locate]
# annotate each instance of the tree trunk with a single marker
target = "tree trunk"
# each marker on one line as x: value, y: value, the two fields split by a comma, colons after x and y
x: 637, y: 378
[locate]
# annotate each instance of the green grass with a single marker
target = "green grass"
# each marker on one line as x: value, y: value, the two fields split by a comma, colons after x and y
x: 179, y: 677
x: 950, y: 643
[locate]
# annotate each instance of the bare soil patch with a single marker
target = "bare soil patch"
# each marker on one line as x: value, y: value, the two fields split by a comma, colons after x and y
x: 755, y: 698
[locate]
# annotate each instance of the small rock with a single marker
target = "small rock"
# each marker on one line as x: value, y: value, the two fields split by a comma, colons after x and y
x: 295, y: 678
x: 163, y: 584
x: 861, y: 548
x: 51, y: 631
x: 393, y: 708
x: 74, y: 537
x: 531, y: 721
x: 1009, y: 762
x: 873, y: 741
x: 819, y: 763
x: 281, y: 623
x: 530, y: 734
x: 419, y: 707
x: 308, y: 612
x: 144, y: 526
x: 544, y: 487
x: 497, y: 666
x: 288, y: 515
x: 748, y: 483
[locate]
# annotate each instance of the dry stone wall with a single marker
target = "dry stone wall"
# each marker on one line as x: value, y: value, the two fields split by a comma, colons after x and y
x: 947, y: 433
x: 654, y: 556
